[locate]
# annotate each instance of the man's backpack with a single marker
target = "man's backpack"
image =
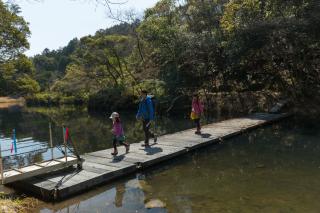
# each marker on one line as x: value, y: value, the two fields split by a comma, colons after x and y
x: 154, y: 101
x: 154, y: 105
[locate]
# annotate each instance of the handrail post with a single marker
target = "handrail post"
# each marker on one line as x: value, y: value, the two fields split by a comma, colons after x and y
x: 51, y: 143
x: 1, y: 165
x: 64, y: 142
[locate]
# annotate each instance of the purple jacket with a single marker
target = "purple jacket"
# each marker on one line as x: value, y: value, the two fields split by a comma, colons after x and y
x: 197, y: 106
x: 117, y: 129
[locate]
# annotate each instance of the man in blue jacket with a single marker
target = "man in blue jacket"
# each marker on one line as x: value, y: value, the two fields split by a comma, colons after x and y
x: 146, y: 114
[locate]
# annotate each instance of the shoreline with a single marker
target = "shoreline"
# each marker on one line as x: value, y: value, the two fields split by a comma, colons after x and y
x: 8, y: 102
x: 21, y: 204
x: 8, y: 99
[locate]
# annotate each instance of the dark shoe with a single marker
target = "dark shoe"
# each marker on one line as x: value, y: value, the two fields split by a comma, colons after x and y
x: 145, y: 145
x: 197, y: 132
x: 127, y: 148
x: 114, y: 153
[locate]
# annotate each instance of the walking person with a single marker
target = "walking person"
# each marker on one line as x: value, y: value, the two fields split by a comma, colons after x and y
x: 118, y: 133
x: 146, y: 114
x: 196, y: 112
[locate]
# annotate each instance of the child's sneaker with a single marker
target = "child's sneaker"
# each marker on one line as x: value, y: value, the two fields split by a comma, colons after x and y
x: 114, y: 153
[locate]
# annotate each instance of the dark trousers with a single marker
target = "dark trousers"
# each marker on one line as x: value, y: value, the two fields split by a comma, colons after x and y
x: 114, y: 142
x: 197, y: 122
x: 146, y: 130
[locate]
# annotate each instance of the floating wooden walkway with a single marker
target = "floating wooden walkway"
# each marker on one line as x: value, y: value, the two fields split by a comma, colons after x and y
x: 100, y: 167
x: 14, y: 175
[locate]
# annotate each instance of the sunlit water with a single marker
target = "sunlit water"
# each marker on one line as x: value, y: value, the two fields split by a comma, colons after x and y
x: 271, y: 169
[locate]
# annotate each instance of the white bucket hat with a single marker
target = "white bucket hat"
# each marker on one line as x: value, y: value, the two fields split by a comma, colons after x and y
x: 114, y: 115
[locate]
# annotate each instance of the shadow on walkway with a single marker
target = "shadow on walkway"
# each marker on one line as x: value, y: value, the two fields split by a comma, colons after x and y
x: 153, y: 150
x: 118, y: 158
x: 205, y: 135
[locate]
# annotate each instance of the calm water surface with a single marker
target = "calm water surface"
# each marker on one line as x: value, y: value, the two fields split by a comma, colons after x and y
x: 272, y: 169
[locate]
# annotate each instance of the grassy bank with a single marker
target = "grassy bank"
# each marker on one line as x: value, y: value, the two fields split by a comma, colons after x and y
x: 53, y: 99
x: 11, y: 100
x: 12, y: 204
x: 101, y: 101
x: 7, y: 102
x: 116, y: 100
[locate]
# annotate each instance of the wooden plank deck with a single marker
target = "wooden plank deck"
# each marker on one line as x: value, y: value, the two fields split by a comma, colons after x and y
x: 101, y: 167
x: 14, y: 175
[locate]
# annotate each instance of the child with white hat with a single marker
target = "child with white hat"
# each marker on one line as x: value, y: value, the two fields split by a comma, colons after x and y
x: 118, y: 133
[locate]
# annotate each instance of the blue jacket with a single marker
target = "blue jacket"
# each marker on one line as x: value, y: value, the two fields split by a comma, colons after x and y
x: 146, y: 110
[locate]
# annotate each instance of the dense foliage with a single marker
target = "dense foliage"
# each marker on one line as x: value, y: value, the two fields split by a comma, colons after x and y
x: 179, y: 47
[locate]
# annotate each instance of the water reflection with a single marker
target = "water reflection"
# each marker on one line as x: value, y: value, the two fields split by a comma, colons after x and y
x: 255, y: 172
x: 120, y: 190
x: 124, y: 196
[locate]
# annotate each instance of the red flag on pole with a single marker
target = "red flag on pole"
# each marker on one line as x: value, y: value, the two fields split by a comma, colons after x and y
x: 66, y: 136
x: 11, y: 149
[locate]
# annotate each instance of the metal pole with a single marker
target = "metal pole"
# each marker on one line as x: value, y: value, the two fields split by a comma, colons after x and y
x: 1, y: 165
x: 65, y: 143
x: 51, y: 143
x: 14, y: 141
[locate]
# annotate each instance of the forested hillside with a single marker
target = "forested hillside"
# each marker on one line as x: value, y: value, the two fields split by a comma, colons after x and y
x: 208, y: 46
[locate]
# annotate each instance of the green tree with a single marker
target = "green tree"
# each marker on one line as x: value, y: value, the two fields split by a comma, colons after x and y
x: 274, y: 44
x: 16, y: 70
x: 17, y: 77
x: 163, y: 42
x: 14, y: 32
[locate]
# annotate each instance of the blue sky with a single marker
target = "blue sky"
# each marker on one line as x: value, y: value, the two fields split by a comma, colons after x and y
x: 53, y: 23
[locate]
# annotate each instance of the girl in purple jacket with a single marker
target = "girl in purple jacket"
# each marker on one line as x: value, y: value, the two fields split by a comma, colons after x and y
x: 118, y: 133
